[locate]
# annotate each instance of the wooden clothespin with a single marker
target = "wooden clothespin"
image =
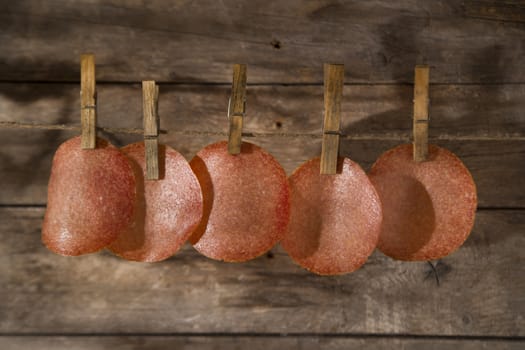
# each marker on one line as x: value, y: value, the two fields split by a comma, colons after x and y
x: 150, y: 100
x: 333, y: 92
x: 421, y: 116
x: 237, y: 108
x: 88, y: 104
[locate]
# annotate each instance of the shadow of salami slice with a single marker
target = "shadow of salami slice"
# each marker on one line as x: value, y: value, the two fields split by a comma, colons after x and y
x: 167, y: 210
x: 428, y: 207
x: 246, y: 202
x: 335, y: 219
x: 90, y: 199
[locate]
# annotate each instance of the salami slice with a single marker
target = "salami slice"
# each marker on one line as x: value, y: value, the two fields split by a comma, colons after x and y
x: 335, y: 219
x: 428, y: 207
x: 167, y: 210
x: 246, y: 202
x: 90, y: 199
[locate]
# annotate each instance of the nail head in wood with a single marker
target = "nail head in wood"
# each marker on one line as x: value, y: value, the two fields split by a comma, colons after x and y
x: 150, y: 98
x: 88, y: 108
x: 236, y: 108
x: 421, y: 116
x: 333, y: 92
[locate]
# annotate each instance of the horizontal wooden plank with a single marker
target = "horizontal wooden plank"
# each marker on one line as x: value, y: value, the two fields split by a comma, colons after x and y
x: 455, y: 110
x: 504, y: 11
x: 480, y: 291
x: 458, y: 113
x: 181, y: 40
x: 251, y: 342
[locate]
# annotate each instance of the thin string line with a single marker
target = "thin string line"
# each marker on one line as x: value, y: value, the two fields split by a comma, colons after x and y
x: 386, y: 137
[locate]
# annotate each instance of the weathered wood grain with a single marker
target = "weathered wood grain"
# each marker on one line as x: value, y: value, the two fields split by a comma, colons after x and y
x: 504, y: 11
x: 88, y: 101
x: 239, y: 342
x: 385, y: 111
x: 475, y: 49
x: 237, y: 109
x: 150, y: 106
x: 281, y: 41
x: 420, y: 118
x: 480, y: 291
x: 333, y: 95
x: 463, y: 110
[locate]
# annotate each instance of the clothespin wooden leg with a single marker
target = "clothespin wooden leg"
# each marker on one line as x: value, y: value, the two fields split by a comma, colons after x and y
x: 421, y: 116
x: 88, y: 108
x: 237, y: 108
x: 333, y: 92
x: 150, y: 98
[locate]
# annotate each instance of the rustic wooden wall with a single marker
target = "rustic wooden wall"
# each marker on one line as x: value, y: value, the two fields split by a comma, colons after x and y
x: 476, y: 51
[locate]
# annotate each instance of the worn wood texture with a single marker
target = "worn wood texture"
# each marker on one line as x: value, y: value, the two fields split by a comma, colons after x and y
x: 475, y: 49
x: 333, y: 95
x: 420, y: 118
x: 383, y: 112
x: 237, y: 108
x: 479, y: 292
x: 502, y: 11
x: 240, y: 342
x: 151, y: 149
x: 88, y: 102
x: 150, y: 102
x: 281, y: 41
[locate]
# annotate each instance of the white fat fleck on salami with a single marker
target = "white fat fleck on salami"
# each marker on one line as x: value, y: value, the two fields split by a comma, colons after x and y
x: 428, y: 207
x: 91, y: 194
x: 335, y: 219
x: 246, y: 202
x: 166, y: 211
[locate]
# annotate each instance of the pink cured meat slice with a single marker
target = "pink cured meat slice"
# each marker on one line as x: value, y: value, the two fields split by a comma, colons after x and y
x: 90, y: 200
x: 246, y: 202
x: 428, y: 207
x: 335, y: 219
x: 167, y: 210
